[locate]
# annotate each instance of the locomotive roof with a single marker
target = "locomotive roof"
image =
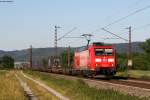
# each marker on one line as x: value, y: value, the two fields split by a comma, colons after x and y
x: 98, y: 43
x: 79, y: 49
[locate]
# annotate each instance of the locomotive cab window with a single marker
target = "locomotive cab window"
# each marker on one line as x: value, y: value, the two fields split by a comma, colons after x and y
x: 99, y: 52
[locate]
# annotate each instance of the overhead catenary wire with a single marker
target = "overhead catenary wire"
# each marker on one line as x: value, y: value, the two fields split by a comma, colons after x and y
x: 118, y: 20
x: 109, y: 38
x: 67, y: 33
x: 73, y: 37
x: 138, y: 1
x: 128, y: 7
x: 76, y: 40
x: 141, y: 27
x: 123, y: 18
x: 138, y: 28
x: 115, y: 34
x: 7, y: 1
x: 134, y: 3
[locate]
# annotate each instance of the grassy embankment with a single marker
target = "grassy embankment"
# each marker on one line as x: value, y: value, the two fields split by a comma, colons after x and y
x: 40, y: 92
x: 136, y: 74
x: 79, y: 90
x: 10, y: 88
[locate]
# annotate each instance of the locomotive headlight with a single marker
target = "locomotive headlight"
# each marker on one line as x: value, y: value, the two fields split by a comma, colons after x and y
x: 111, y: 60
x: 98, y: 60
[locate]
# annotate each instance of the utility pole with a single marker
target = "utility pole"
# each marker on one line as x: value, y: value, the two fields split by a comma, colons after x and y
x: 56, y: 60
x: 55, y: 43
x: 30, y: 53
x: 68, y: 54
x: 129, y: 49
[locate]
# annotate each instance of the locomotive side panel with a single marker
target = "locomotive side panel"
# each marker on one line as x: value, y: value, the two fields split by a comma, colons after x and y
x: 84, y: 56
x: 77, y: 60
x: 81, y: 60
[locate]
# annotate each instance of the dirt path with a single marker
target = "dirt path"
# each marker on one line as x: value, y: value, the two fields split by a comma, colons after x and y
x: 60, y: 96
x: 26, y: 88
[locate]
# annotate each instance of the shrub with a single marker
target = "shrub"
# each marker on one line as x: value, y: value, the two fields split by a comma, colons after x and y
x: 7, y: 62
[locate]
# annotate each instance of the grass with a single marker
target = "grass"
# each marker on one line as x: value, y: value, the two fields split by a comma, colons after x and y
x: 79, y: 90
x: 38, y: 91
x: 139, y: 74
x: 10, y: 89
x: 136, y: 74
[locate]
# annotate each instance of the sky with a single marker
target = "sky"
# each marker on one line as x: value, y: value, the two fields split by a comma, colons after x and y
x: 31, y: 22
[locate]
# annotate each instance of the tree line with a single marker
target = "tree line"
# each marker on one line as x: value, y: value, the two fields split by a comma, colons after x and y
x: 141, y: 61
x: 6, y: 62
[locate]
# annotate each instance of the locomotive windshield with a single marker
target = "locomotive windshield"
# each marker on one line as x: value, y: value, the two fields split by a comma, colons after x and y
x: 105, y: 51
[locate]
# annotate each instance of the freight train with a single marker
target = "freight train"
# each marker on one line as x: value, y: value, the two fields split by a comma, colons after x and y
x: 92, y: 60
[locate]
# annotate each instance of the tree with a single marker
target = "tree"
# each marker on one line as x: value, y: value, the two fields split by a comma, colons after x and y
x: 0, y: 63
x: 146, y: 46
x: 7, y: 62
x: 64, y: 58
x: 45, y: 63
x: 140, y: 62
x: 121, y: 62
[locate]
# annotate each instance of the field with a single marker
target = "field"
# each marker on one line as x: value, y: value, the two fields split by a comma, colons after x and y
x: 9, y: 87
x: 136, y: 74
x: 79, y: 89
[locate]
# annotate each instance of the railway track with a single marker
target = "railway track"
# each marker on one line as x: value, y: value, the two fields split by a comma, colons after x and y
x: 142, y: 84
x: 128, y: 82
x: 122, y: 81
x: 138, y: 81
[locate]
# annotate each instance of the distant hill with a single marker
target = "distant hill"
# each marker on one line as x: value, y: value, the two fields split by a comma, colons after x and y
x: 1, y: 51
x: 39, y: 53
x: 123, y: 47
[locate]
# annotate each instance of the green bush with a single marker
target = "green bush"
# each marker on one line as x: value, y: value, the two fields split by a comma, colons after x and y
x: 140, y: 63
x: 7, y: 62
x: 64, y: 58
x: 121, y: 62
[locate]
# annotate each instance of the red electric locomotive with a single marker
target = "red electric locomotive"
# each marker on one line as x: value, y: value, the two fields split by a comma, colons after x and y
x: 96, y: 59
